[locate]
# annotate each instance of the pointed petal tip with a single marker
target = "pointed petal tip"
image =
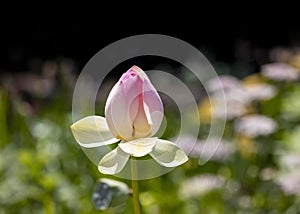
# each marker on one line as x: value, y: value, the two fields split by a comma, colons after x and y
x: 135, y: 68
x: 113, y: 162
x: 108, y: 171
x: 168, y: 154
x: 92, y: 131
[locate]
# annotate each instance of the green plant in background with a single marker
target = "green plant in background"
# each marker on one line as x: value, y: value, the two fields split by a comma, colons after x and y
x: 254, y: 170
x: 262, y: 122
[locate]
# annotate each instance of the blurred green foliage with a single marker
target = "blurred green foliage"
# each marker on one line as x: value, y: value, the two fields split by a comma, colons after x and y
x: 43, y: 170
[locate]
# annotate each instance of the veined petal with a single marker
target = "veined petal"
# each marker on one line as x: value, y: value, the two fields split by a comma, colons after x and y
x: 154, y: 104
x: 114, y: 110
x: 139, y: 147
x: 92, y: 131
x: 113, y: 162
x: 168, y: 154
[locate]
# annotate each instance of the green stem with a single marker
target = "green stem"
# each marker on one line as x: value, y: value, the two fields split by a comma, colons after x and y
x: 135, y: 188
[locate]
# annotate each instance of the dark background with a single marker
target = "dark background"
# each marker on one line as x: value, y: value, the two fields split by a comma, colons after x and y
x: 23, y: 41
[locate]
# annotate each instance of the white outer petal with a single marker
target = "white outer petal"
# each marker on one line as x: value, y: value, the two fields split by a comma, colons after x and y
x: 139, y: 147
x: 92, y: 131
x: 121, y: 108
x: 168, y: 154
x: 114, y: 109
x: 113, y: 162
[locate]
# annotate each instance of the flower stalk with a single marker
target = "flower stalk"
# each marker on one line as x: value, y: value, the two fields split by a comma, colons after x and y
x: 135, y: 187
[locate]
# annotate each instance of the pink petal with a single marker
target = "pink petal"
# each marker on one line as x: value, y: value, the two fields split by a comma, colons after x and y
x: 154, y: 103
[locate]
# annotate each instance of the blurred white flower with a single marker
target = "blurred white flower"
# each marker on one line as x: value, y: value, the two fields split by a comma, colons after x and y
x: 290, y: 182
x: 248, y: 93
x: 200, y: 185
x: 205, y: 148
x: 255, y: 125
x: 238, y: 95
x: 185, y: 142
x: 42, y: 129
x: 245, y: 201
x: 280, y: 72
x: 267, y: 174
x: 290, y: 160
x: 260, y: 91
x: 238, y: 99
x: 230, y: 87
x: 235, y: 104
x: 223, y: 82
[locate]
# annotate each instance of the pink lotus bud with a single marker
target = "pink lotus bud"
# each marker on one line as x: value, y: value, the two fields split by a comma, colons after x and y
x: 133, y: 108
